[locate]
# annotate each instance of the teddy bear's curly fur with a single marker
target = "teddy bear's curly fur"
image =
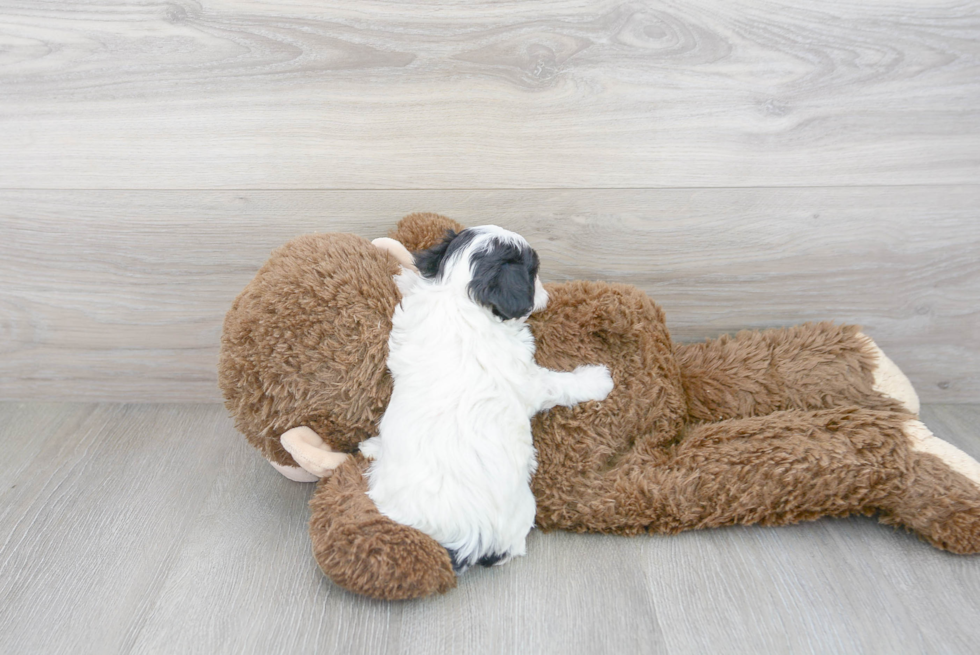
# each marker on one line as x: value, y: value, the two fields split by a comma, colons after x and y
x: 767, y: 427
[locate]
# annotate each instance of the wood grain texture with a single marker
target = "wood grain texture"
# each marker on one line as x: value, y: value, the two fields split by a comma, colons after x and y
x: 91, y: 526
x: 120, y: 296
x: 302, y: 94
x: 154, y: 528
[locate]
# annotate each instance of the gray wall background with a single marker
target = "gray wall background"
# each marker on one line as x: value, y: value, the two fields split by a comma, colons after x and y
x: 747, y: 164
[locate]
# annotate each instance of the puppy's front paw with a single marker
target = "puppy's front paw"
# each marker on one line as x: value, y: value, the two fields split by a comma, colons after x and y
x: 593, y: 382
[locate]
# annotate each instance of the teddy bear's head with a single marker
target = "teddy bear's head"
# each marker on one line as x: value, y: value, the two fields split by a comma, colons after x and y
x: 305, y: 343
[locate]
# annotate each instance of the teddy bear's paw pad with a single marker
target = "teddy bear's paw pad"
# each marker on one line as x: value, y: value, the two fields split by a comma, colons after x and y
x: 310, y: 451
x: 889, y: 379
x: 295, y: 473
x: 924, y: 441
x: 396, y: 250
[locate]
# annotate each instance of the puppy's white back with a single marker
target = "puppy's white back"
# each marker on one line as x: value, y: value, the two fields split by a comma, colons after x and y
x: 455, y: 456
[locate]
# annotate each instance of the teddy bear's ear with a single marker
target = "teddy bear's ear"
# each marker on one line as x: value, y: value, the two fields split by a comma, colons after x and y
x: 430, y: 262
x: 420, y: 230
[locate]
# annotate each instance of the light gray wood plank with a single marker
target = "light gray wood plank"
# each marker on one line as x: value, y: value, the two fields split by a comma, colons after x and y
x: 120, y: 295
x: 957, y: 424
x: 88, y: 530
x: 244, y: 579
x: 25, y: 431
x: 563, y: 94
x: 911, y: 576
x: 156, y: 529
x: 828, y: 586
x: 779, y: 590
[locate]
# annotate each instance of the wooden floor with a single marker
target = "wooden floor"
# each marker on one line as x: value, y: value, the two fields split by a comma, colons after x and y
x: 156, y: 529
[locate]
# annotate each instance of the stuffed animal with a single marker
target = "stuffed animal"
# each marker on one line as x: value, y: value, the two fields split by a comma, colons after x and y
x: 769, y: 427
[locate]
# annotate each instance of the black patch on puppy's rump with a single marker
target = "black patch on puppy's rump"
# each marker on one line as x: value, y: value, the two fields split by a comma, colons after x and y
x: 491, y: 559
x: 460, y: 566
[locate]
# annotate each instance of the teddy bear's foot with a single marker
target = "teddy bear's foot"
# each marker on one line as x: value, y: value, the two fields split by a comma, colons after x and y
x: 314, y: 456
x: 889, y: 379
x: 922, y: 440
x: 942, y: 501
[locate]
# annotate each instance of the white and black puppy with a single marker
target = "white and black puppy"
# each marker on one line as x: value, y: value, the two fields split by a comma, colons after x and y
x: 454, y: 456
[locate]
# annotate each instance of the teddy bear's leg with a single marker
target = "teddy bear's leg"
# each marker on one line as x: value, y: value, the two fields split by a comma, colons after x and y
x: 793, y: 466
x: 364, y: 551
x: 783, y: 468
x: 810, y: 366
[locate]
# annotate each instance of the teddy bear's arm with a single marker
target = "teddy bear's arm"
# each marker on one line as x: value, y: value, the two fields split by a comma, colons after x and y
x: 810, y: 366
x: 364, y: 551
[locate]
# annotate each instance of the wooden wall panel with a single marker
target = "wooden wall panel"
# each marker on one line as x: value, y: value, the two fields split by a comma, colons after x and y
x: 120, y: 295
x: 560, y: 94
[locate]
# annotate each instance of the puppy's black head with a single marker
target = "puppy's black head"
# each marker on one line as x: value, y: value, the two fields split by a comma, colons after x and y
x: 502, y: 268
x: 503, y: 278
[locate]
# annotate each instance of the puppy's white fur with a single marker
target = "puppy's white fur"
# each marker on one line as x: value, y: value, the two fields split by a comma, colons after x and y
x: 454, y: 457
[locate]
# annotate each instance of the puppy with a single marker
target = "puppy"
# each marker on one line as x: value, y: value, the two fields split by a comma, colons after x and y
x: 454, y: 456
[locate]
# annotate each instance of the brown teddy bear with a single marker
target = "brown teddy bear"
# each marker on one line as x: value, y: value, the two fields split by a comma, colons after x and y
x: 768, y: 427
